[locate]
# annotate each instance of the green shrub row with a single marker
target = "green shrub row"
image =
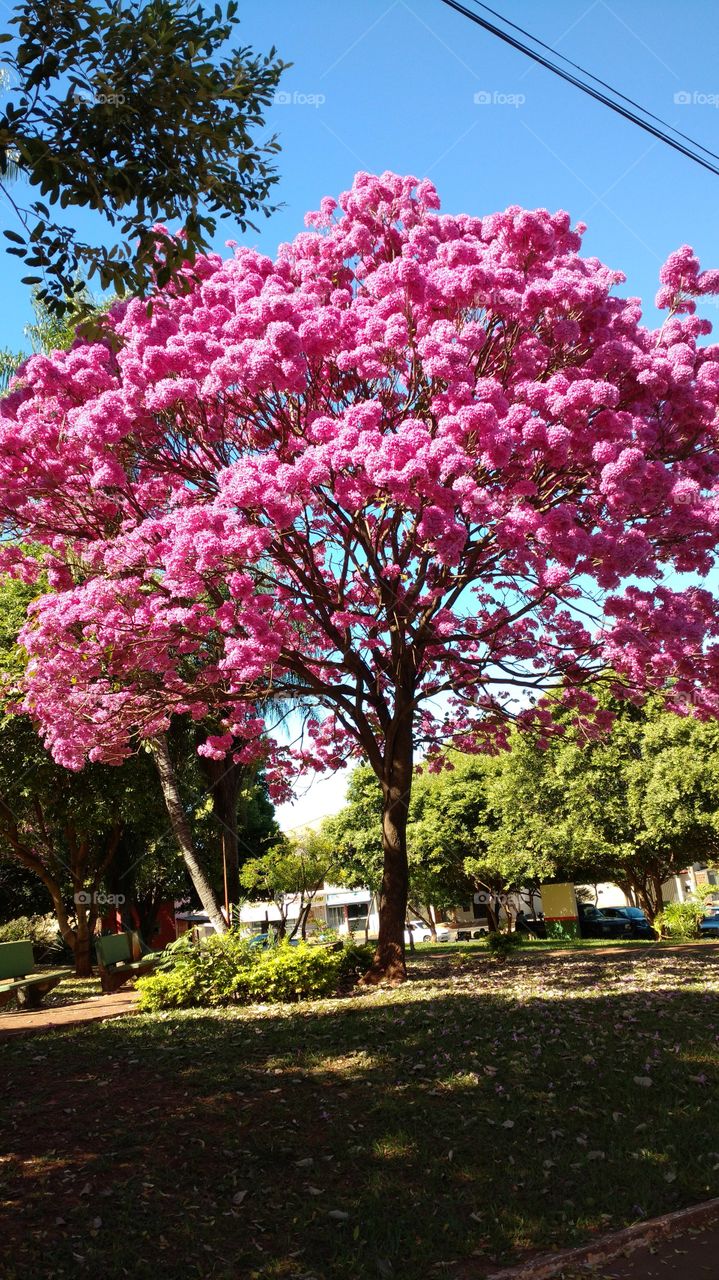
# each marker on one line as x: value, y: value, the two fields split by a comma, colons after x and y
x: 226, y: 969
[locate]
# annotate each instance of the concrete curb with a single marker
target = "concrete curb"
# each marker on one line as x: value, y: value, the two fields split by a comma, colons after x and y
x: 604, y: 1249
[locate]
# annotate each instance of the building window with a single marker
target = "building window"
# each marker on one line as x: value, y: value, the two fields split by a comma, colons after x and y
x: 351, y: 914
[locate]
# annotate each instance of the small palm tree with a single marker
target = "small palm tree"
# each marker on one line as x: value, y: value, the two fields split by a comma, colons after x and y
x: 9, y: 362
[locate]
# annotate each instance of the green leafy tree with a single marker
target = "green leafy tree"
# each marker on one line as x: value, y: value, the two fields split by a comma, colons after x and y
x: 293, y: 871
x: 21, y: 893
x: 66, y: 829
x: 634, y: 806
x: 139, y: 113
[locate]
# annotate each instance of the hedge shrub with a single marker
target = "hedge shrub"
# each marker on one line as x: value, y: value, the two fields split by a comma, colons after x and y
x: 225, y: 969
x: 40, y: 930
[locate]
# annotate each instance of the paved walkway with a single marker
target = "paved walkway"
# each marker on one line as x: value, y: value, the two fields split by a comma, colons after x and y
x: 694, y: 1256
x: 96, y: 1009
x: 683, y: 1245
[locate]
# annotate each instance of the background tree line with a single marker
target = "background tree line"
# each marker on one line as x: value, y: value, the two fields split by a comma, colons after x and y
x: 635, y: 807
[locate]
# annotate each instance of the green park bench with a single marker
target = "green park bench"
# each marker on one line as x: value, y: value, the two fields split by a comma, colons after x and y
x: 20, y: 978
x: 119, y: 958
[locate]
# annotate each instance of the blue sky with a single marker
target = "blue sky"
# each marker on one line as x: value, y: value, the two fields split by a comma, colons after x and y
x: 391, y: 84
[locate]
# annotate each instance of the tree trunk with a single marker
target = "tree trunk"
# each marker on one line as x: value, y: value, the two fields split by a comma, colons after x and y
x: 301, y: 921
x: 432, y: 921
x: 648, y: 891
x: 389, y: 962
x: 225, y: 779
x: 427, y: 916
x: 83, y: 943
x: 657, y: 895
x: 282, y: 926
x: 181, y: 829
x: 650, y: 895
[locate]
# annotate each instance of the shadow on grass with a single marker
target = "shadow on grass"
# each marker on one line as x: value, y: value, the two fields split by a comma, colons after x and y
x: 484, y: 1109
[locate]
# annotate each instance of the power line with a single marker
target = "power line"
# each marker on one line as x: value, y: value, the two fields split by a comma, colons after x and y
x: 592, y: 92
x: 597, y: 80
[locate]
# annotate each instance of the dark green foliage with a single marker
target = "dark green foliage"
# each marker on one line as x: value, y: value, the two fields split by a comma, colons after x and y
x: 502, y: 944
x: 634, y: 806
x: 21, y: 893
x: 136, y: 112
x: 40, y: 930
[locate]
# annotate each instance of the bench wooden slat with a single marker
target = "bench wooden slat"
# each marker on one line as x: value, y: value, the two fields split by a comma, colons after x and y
x: 20, y: 978
x: 119, y: 956
x: 16, y: 959
x: 36, y: 979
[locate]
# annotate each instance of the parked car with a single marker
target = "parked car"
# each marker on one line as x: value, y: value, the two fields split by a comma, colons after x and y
x: 592, y: 924
x: 641, y: 928
x: 709, y: 926
x: 421, y: 932
x: 530, y: 924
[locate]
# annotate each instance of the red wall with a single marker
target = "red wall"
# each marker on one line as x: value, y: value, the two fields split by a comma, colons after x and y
x: 165, y: 926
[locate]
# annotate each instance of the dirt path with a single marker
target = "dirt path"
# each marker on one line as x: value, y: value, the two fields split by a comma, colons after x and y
x: 97, y: 1009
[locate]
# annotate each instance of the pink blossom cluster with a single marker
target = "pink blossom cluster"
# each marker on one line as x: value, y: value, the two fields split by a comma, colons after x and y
x: 414, y: 465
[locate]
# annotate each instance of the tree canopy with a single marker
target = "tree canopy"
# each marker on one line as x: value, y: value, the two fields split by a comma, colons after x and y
x: 139, y: 113
x: 292, y: 870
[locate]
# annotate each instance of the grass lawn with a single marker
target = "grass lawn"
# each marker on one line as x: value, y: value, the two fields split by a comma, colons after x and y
x: 73, y: 990
x: 486, y: 1109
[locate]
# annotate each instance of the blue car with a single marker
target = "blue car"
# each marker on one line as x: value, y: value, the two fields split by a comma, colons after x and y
x: 594, y: 924
x: 640, y: 926
x: 709, y: 926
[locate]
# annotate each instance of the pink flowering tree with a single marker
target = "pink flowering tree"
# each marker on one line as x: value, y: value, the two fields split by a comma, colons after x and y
x: 408, y: 474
